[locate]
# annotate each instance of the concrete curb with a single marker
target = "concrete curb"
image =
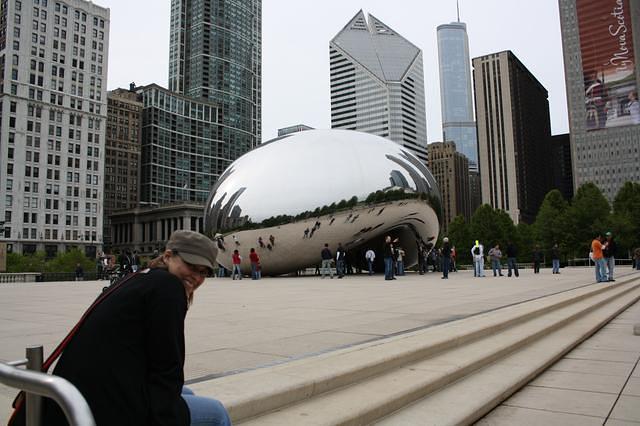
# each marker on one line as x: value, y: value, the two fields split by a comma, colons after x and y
x: 336, y: 388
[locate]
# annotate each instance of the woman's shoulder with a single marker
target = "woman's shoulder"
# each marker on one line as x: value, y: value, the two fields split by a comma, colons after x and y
x: 160, y: 280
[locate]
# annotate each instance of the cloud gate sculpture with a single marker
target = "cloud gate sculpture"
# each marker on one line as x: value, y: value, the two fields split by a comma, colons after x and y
x: 290, y: 196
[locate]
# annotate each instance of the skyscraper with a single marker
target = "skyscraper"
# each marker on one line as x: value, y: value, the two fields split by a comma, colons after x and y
x: 122, y: 155
x: 215, y: 54
x: 514, y: 129
x: 53, y: 76
x: 450, y: 168
x: 456, y: 96
x: 377, y: 84
x: 601, y: 47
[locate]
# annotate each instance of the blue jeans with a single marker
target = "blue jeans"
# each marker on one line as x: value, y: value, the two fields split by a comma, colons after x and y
x: 370, y: 264
x: 512, y: 265
x: 446, y: 264
x: 478, y: 265
x: 400, y: 266
x: 340, y: 267
x: 205, y: 411
x: 236, y: 270
x: 611, y: 263
x: 255, y: 272
x: 497, y: 268
x: 388, y: 268
x: 556, y: 265
x: 601, y: 270
x: 326, y: 267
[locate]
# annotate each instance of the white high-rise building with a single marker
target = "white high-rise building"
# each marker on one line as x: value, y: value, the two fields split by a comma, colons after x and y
x: 377, y: 84
x: 53, y: 80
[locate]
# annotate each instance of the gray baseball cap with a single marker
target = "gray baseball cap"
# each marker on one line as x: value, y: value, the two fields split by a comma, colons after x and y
x: 193, y: 248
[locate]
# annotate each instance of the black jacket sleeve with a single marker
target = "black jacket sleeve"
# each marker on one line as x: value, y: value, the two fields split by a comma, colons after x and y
x: 167, y: 307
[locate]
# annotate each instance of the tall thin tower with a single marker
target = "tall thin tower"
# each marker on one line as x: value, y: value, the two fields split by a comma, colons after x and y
x: 456, y: 97
x: 377, y: 84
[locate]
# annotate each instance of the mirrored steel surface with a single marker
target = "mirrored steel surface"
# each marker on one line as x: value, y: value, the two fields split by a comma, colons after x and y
x: 290, y: 196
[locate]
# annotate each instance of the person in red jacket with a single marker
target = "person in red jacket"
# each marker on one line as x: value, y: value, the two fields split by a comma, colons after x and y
x: 236, y: 259
x: 255, y: 264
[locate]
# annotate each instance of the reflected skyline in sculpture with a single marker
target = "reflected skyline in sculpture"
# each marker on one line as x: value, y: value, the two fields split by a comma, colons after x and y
x: 353, y: 186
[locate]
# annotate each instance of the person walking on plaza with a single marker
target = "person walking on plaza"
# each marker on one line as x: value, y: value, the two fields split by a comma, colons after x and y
x: 537, y: 259
x: 609, y: 253
x: 636, y: 255
x: 477, y: 253
x: 327, y: 257
x: 370, y: 256
x: 255, y: 264
x: 135, y: 261
x: 446, y: 258
x: 127, y: 355
x: 555, y: 258
x: 598, y: 258
x: 512, y: 263
x: 454, y: 255
x: 236, y: 259
x: 400, y: 261
x: 495, y: 255
x: 340, y: 257
x: 79, y: 272
x: 388, y: 255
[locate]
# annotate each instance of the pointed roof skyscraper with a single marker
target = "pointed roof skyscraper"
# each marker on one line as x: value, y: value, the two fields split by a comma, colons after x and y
x: 377, y: 83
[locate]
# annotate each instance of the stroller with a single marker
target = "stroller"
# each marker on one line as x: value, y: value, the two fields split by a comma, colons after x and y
x: 115, y: 274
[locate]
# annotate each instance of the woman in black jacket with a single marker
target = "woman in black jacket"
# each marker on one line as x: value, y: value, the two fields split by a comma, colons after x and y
x: 127, y: 358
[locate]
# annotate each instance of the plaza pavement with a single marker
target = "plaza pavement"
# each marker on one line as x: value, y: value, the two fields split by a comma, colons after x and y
x: 239, y: 325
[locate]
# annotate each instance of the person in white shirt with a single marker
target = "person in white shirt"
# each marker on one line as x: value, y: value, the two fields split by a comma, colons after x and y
x: 477, y: 252
x: 370, y: 255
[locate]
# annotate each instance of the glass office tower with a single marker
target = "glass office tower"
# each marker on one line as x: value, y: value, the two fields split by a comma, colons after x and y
x: 215, y: 55
x: 456, y: 96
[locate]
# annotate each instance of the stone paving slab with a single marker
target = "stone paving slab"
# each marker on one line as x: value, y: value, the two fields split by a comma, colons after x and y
x: 599, y: 379
x: 236, y: 325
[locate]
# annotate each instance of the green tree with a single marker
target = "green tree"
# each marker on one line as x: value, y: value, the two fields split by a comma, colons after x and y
x: 26, y: 263
x: 525, y: 241
x: 550, y: 224
x: 588, y: 216
x: 460, y: 236
x: 626, y: 217
x: 491, y: 226
x: 66, y: 262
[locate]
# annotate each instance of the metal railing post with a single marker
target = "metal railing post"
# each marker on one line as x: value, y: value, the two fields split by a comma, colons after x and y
x: 33, y: 402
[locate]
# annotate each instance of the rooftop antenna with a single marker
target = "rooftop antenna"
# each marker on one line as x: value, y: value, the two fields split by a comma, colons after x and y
x: 458, y: 9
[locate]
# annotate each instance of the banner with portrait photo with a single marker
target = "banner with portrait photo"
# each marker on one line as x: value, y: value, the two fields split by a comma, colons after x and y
x: 608, y: 63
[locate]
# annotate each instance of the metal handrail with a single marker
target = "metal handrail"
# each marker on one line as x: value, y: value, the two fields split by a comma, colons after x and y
x: 69, y: 398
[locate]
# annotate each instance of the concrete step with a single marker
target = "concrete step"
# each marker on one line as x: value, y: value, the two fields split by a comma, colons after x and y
x: 364, y: 383
x: 473, y: 396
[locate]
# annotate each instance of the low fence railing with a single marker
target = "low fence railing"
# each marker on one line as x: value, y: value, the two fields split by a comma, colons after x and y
x: 37, y: 384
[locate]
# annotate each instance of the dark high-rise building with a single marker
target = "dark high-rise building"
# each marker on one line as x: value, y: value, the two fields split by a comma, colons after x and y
x: 512, y: 112
x: 181, y: 152
x: 215, y: 55
x: 122, y: 155
x: 601, y: 44
x: 561, y: 165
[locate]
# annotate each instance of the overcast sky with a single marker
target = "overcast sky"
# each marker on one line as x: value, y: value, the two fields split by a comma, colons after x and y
x: 295, y: 48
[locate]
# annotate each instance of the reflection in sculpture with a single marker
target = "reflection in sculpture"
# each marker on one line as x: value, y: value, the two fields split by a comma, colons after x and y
x: 290, y: 196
